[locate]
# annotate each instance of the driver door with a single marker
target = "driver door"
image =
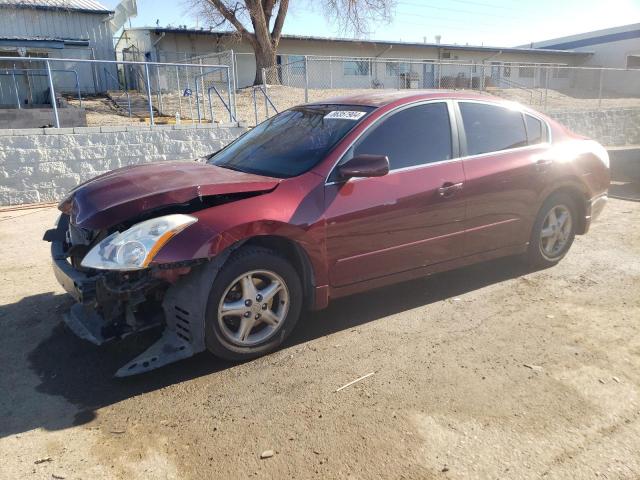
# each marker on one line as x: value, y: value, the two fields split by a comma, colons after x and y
x: 412, y: 217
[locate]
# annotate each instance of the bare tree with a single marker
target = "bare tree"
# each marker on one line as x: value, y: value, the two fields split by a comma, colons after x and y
x: 260, y: 22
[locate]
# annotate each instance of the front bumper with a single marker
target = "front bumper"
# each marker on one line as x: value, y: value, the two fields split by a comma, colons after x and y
x: 106, y: 304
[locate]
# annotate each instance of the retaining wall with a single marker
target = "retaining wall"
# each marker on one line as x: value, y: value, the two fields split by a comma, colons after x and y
x: 41, y: 165
x: 611, y: 127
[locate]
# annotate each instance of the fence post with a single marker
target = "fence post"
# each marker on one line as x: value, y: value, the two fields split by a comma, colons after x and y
x: 255, y: 105
x: 600, y: 88
x: 232, y: 107
x: 197, y: 101
x: 306, y: 80
x: 15, y: 86
x: 53, y: 95
x: 233, y: 82
x: 439, y: 74
x: 470, y: 77
x: 330, y: 73
x: 264, y: 86
x: 148, y: 82
x: 179, y: 90
x: 546, y: 86
x: 160, y: 105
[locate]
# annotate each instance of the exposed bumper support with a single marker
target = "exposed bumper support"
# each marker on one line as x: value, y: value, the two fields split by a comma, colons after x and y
x: 184, y: 307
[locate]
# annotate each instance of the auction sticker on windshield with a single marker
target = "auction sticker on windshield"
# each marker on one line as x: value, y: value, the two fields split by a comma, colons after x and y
x: 344, y: 115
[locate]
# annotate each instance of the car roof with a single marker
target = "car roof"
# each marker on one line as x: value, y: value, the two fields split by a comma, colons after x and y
x: 385, y: 97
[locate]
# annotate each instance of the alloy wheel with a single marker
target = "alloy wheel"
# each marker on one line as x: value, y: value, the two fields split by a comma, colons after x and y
x: 556, y: 231
x: 253, y: 308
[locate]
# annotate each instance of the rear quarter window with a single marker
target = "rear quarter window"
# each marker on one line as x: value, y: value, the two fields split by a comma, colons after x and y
x: 536, y: 132
x: 492, y: 128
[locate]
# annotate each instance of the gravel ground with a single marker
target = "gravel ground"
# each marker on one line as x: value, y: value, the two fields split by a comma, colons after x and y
x: 491, y: 371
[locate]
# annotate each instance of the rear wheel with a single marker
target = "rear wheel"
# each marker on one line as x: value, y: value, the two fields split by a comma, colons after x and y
x: 553, y: 231
x: 253, y: 305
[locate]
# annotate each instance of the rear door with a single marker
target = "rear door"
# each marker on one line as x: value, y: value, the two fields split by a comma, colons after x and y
x: 411, y: 217
x: 505, y: 173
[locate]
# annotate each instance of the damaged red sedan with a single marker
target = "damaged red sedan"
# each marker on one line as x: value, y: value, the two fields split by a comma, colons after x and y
x: 318, y: 202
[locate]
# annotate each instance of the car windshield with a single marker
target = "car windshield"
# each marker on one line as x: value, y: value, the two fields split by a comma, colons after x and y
x: 291, y: 142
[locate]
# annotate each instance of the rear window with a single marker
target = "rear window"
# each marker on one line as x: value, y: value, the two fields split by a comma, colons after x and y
x: 491, y: 128
x: 535, y: 131
x: 291, y: 142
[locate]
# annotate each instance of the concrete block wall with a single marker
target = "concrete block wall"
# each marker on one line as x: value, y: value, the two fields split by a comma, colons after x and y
x: 611, y: 127
x: 41, y: 165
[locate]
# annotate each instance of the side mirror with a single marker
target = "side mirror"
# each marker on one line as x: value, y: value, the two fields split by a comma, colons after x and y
x: 364, y: 166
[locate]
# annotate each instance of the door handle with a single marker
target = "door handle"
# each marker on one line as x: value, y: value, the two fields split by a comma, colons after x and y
x: 543, y: 164
x: 449, y: 188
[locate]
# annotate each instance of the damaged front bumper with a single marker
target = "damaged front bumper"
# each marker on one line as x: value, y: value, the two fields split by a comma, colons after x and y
x: 107, y: 307
x: 112, y: 305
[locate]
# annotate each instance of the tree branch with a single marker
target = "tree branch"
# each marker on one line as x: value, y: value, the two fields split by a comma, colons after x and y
x: 230, y: 17
x: 279, y: 23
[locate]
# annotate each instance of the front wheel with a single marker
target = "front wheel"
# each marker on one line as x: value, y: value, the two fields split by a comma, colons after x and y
x: 253, y: 305
x: 553, y: 231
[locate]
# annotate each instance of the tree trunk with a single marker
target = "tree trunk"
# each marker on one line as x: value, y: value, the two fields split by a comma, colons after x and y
x: 265, y: 58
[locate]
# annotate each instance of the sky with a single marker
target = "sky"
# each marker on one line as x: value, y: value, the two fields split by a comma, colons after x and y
x: 474, y: 22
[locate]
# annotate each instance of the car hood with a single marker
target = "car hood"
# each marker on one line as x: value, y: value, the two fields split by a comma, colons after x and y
x: 125, y: 193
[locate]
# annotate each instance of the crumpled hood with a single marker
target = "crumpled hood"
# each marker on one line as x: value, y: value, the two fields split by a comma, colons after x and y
x: 127, y: 192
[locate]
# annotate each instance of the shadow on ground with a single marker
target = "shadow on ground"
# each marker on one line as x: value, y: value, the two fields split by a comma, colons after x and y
x: 81, y: 373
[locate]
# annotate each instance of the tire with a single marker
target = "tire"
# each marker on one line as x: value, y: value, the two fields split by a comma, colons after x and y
x: 540, y: 254
x: 226, y: 335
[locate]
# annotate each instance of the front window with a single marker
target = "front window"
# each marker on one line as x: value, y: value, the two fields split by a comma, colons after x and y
x: 291, y: 142
x: 397, y: 68
x: 356, y: 67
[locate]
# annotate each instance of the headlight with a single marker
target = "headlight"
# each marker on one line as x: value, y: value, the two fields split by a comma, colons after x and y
x: 134, y: 248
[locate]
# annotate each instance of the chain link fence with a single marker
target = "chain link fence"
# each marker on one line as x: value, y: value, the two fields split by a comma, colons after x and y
x: 204, y: 88
x: 546, y: 87
x: 126, y: 91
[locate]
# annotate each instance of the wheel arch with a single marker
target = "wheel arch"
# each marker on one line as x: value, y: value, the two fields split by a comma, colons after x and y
x: 580, y: 197
x: 296, y: 255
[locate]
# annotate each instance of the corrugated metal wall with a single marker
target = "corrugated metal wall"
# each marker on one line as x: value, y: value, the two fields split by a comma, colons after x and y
x: 23, y: 22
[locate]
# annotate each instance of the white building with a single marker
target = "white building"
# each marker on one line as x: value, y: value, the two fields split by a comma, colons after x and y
x: 56, y: 29
x: 617, y: 47
x: 369, y: 61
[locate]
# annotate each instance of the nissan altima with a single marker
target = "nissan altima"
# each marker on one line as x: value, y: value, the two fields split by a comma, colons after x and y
x: 320, y: 201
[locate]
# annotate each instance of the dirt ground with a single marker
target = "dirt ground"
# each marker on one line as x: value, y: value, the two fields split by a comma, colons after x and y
x: 491, y: 371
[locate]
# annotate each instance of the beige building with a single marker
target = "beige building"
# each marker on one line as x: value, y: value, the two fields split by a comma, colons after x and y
x: 345, y: 63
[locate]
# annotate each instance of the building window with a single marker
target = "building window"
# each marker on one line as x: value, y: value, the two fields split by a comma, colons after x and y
x: 526, y: 71
x: 560, y: 72
x: 633, y: 61
x: 506, y: 71
x: 396, y: 68
x: 446, y: 55
x: 356, y: 67
x: 296, y: 64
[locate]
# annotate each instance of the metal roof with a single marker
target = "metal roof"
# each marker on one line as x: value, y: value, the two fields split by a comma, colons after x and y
x: 443, y: 46
x: 84, y: 6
